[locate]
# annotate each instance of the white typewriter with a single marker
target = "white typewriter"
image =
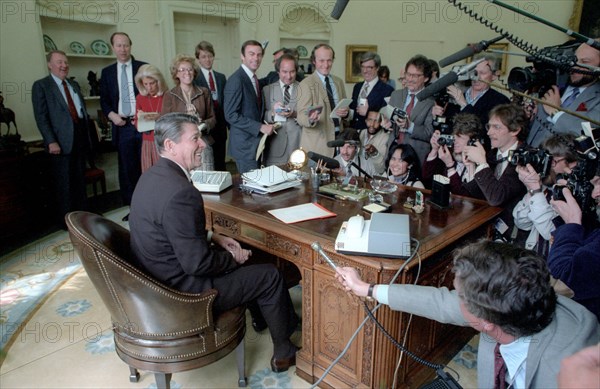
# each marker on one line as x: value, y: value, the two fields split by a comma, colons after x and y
x: 211, y: 181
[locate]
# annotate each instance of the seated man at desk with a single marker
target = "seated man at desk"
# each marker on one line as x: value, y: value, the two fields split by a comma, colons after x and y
x: 169, y: 240
x: 504, y: 292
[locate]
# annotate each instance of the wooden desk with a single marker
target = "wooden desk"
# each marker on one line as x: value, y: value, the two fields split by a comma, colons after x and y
x: 330, y: 315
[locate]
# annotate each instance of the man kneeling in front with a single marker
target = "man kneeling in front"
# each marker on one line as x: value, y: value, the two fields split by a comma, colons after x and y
x: 170, y: 242
x: 504, y: 292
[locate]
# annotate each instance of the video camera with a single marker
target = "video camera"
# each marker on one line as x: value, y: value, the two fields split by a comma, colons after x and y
x: 544, y: 73
x: 539, y: 159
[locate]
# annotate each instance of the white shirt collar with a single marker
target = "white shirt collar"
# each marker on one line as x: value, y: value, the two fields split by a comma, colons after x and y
x: 515, y: 358
x: 248, y: 72
x: 187, y: 174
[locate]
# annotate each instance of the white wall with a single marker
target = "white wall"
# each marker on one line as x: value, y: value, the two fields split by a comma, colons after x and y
x: 399, y: 28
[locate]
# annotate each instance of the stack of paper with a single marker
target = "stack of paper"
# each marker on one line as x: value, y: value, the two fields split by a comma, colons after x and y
x: 269, y: 179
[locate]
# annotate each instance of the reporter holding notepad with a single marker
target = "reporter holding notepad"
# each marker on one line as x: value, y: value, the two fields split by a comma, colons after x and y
x: 321, y: 86
x: 151, y: 84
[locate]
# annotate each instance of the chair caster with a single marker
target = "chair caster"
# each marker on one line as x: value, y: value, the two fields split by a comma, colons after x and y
x: 242, y: 383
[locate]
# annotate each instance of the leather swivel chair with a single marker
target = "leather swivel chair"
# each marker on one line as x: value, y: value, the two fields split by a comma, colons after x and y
x: 155, y: 328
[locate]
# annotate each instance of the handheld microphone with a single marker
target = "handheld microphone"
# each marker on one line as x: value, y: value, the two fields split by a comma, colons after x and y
x: 468, y: 51
x: 341, y: 142
x: 329, y: 163
x: 317, y: 247
x: 441, y: 84
x: 338, y: 9
x: 336, y: 143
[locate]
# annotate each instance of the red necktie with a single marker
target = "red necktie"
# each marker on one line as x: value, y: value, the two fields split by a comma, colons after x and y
x: 211, y: 84
x: 72, y: 109
x: 499, y: 369
x: 411, y: 104
x: 258, y: 98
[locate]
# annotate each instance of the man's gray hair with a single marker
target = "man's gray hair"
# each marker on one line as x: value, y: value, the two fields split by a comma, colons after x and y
x: 369, y: 55
x: 170, y: 126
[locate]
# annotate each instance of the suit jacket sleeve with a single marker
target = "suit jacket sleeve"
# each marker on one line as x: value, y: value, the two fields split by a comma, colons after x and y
x: 184, y: 224
x: 498, y: 192
x: 305, y: 100
x: 106, y: 92
x: 41, y: 113
x: 234, y: 106
x: 575, y: 259
x: 439, y: 304
x: 210, y: 118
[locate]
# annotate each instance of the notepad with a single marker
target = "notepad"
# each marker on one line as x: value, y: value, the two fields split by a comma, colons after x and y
x: 302, y: 212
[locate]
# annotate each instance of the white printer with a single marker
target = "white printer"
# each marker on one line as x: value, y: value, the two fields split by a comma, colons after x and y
x: 385, y: 235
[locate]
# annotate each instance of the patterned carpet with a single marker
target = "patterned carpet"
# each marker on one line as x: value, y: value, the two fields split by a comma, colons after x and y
x: 55, y: 331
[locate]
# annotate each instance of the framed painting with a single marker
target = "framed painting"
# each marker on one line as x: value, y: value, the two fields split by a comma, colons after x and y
x: 585, y: 18
x: 353, y: 54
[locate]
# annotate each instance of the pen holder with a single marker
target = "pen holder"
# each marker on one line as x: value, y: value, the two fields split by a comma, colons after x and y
x: 440, y: 194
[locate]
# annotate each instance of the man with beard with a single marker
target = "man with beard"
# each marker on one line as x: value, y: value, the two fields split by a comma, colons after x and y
x: 448, y: 160
x: 349, y: 154
x: 375, y: 140
x: 582, y: 95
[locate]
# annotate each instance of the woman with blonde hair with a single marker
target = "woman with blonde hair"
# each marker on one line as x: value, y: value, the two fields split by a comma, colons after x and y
x: 151, y: 84
x: 192, y: 99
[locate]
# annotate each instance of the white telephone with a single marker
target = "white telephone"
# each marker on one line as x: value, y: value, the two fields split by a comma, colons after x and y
x: 355, y: 227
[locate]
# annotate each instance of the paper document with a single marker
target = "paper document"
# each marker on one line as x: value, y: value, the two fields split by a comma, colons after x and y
x: 302, y: 212
x: 343, y: 103
x: 144, y: 125
x: 268, y: 176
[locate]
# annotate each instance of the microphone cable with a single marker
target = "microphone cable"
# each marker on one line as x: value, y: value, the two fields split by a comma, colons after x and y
x: 370, y: 316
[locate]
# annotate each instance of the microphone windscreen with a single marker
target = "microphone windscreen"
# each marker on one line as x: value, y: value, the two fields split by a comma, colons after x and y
x: 329, y: 163
x: 458, y: 56
x: 336, y: 143
x: 338, y: 9
x: 441, y: 84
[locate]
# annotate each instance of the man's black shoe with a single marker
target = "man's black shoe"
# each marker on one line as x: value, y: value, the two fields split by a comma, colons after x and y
x: 125, y: 218
x: 259, y: 324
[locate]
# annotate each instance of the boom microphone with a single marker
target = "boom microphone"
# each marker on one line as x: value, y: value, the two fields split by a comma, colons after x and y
x: 338, y: 9
x: 450, y: 78
x: 336, y: 143
x: 468, y: 51
x: 329, y: 163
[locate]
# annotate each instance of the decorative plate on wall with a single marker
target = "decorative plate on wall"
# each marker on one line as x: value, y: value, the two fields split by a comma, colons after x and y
x: 77, y: 48
x: 302, y: 51
x: 99, y: 47
x: 49, y: 44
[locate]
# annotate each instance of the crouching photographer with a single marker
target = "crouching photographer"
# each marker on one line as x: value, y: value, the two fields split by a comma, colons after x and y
x: 446, y: 155
x: 537, y: 170
x: 574, y: 256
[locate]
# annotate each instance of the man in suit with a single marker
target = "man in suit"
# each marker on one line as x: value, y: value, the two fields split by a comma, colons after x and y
x: 417, y: 128
x: 321, y: 89
x: 369, y: 93
x: 117, y: 98
x: 169, y: 240
x: 479, y: 99
x: 61, y: 118
x: 503, y: 292
x: 215, y: 83
x: 243, y: 108
x: 490, y: 175
x: 280, y: 100
x: 582, y: 95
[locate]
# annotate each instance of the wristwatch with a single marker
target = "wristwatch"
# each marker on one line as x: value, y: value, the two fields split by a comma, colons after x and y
x: 534, y: 191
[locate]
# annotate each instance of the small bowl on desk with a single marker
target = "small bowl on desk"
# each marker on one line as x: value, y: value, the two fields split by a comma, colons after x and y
x: 383, y: 186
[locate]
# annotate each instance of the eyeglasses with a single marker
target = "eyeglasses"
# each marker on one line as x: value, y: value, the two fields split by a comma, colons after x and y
x: 489, y: 126
x: 367, y: 67
x: 185, y: 70
x: 413, y: 75
x: 556, y: 161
